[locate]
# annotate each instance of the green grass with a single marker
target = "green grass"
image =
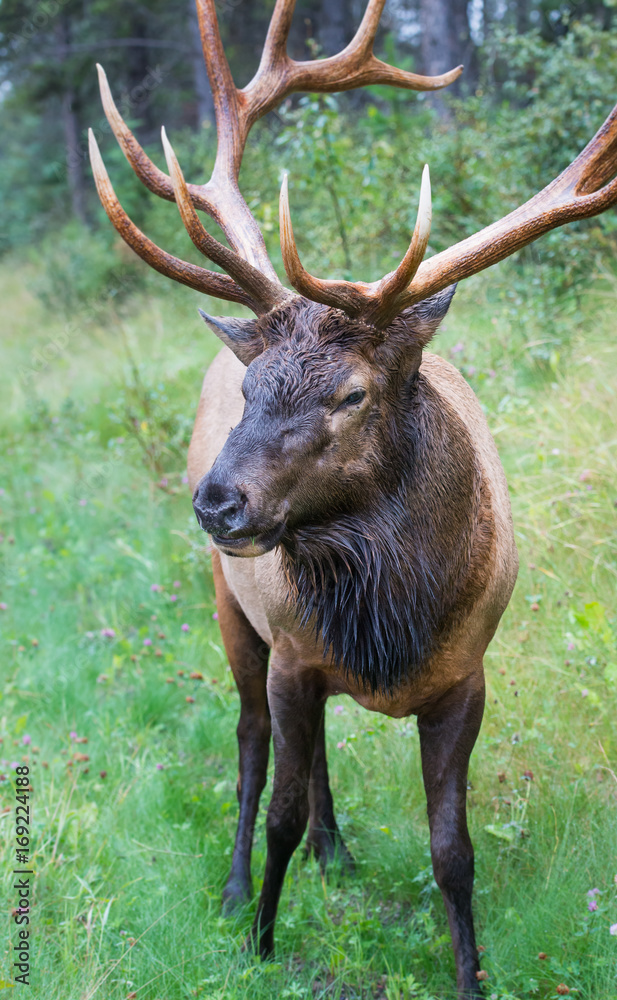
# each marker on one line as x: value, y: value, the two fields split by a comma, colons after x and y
x: 133, y: 844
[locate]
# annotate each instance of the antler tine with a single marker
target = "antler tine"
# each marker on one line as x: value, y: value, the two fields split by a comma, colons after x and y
x: 390, y: 288
x: 219, y: 285
x: 206, y: 197
x: 344, y: 295
x: 267, y: 293
x: 377, y: 302
x: 149, y: 174
x: 355, y: 66
x: 359, y: 66
x: 275, y: 45
x: 579, y: 192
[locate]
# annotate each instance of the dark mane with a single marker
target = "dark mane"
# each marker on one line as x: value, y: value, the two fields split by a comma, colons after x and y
x: 382, y: 588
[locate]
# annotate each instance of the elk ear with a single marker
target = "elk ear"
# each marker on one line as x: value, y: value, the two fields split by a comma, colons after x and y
x: 240, y: 335
x: 423, y: 319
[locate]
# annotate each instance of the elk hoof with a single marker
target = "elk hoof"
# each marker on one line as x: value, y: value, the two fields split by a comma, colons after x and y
x: 236, y: 894
x: 262, y: 945
x: 329, y: 848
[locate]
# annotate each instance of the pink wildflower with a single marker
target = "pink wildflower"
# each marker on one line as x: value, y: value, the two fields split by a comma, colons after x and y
x: 341, y: 745
x: 570, y: 645
x: 155, y: 588
x: 613, y: 930
x: 592, y: 905
x: 73, y: 734
x: 173, y: 597
x: 160, y: 767
x: 584, y: 693
x: 108, y: 633
x: 185, y: 479
x: 185, y: 627
x: 593, y: 892
x: 176, y: 584
x: 338, y: 709
x: 216, y: 616
x: 3, y: 606
x: 82, y: 503
x: 147, y: 642
x: 26, y: 740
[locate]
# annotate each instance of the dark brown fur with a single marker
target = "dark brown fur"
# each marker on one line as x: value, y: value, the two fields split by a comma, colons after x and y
x: 382, y: 587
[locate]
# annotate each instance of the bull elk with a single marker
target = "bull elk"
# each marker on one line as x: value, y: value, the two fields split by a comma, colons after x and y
x: 359, y: 512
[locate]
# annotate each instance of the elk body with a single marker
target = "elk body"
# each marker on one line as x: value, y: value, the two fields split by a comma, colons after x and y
x: 359, y: 512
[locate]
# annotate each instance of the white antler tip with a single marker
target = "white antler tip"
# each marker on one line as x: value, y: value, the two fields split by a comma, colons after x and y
x: 172, y: 160
x: 425, y: 207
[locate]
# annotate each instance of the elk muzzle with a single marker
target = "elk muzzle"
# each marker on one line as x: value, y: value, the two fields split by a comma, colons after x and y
x: 234, y: 516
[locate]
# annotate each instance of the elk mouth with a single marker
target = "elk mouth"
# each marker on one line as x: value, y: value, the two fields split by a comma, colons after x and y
x: 250, y: 545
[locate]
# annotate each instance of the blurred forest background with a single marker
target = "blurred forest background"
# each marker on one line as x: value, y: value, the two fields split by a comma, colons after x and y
x: 539, y: 79
x: 114, y: 687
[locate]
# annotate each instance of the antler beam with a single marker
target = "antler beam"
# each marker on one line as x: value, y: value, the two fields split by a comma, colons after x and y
x: 236, y: 112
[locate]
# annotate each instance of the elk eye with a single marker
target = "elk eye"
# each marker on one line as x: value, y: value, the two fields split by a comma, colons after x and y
x: 354, y: 397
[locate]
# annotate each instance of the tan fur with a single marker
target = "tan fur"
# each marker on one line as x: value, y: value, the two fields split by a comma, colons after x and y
x: 258, y: 584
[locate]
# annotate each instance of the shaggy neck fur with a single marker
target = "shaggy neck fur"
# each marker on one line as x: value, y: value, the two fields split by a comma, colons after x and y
x: 380, y: 588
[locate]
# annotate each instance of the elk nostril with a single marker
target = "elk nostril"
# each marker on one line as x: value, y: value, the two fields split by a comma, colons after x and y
x: 243, y: 499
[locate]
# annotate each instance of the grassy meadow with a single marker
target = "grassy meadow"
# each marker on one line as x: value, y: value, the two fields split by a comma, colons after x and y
x: 107, y: 608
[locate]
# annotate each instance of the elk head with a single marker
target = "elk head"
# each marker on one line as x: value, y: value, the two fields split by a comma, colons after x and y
x: 330, y: 370
x: 327, y: 403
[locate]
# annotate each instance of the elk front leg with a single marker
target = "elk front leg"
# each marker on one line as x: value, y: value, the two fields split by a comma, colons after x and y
x: 448, y: 732
x: 248, y: 659
x: 296, y: 707
x: 324, y: 837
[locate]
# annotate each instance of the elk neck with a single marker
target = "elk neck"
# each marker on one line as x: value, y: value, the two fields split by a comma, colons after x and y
x: 382, y: 586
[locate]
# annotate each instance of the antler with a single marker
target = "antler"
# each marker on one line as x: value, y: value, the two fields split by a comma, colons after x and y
x: 254, y: 280
x: 376, y: 302
x: 584, y: 189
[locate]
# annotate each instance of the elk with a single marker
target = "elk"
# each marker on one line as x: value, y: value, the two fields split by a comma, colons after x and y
x: 362, y: 532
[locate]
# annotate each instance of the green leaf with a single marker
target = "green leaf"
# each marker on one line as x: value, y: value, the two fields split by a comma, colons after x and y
x: 502, y: 831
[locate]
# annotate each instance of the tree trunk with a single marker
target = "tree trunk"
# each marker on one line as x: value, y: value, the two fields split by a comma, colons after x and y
x: 488, y: 17
x: 204, y: 105
x: 74, y: 156
x: 462, y: 48
x: 522, y: 16
x: 334, y: 26
x: 138, y: 56
x: 437, y: 57
x: 74, y: 151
